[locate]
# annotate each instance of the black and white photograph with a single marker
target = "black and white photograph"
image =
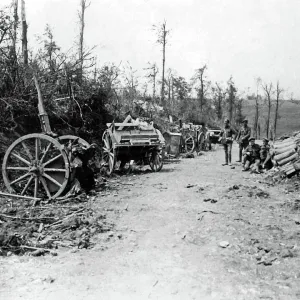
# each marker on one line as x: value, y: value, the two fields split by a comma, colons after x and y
x: 150, y: 149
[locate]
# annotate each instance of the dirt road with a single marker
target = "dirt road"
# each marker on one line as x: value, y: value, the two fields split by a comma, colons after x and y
x: 166, y: 241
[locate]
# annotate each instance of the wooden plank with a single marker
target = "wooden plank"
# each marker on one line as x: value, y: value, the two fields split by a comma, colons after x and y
x: 128, y: 118
x: 123, y: 124
x: 19, y: 196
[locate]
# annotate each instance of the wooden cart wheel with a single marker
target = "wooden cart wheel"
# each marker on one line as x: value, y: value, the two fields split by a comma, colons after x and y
x: 189, y: 143
x: 36, y: 165
x: 109, y: 156
x: 156, y: 161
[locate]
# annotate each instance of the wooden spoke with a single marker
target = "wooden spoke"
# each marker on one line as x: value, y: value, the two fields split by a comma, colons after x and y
x: 54, y: 170
x: 21, y: 158
x: 37, y: 148
x: 44, y: 183
x: 52, y: 160
x: 50, y: 170
x: 36, y: 186
x: 52, y: 179
x: 20, y: 178
x: 27, y: 150
x: 155, y: 161
x: 45, y: 153
x: 108, y: 152
x: 106, y: 149
x: 27, y: 185
x: 18, y: 168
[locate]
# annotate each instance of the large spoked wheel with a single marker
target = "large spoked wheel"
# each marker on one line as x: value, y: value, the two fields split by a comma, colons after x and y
x: 156, y: 160
x: 36, y: 165
x: 189, y: 143
x: 109, y: 156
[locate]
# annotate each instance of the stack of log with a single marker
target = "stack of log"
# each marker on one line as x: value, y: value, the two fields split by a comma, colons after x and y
x: 286, y: 154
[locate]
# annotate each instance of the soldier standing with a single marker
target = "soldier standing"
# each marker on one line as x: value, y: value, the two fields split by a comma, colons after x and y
x: 243, y: 138
x: 226, y: 138
x: 251, y: 156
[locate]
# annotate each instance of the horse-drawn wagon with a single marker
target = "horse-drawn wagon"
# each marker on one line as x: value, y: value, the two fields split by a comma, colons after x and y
x: 132, y: 140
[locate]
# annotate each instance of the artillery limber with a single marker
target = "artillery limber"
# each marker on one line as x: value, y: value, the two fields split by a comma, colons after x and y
x: 193, y: 137
x: 41, y: 165
x: 132, y: 140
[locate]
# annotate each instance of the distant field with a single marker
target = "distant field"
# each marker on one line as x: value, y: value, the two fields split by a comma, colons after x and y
x: 288, y: 122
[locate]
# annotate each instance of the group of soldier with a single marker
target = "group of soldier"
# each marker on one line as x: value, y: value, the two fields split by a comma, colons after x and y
x: 251, y: 155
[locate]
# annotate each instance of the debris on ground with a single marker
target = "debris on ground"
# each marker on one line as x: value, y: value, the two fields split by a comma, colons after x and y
x: 188, y: 155
x: 224, y: 244
x: 40, y: 229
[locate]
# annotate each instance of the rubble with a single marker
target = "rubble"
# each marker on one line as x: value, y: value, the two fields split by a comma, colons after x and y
x: 43, y: 228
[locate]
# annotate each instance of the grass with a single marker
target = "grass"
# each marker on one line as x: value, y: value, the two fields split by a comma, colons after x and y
x: 289, y: 116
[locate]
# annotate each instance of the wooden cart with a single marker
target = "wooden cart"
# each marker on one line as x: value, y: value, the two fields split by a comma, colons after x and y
x: 132, y: 140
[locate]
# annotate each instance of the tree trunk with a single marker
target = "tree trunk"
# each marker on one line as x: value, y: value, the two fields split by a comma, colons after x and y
x: 24, y: 34
x: 14, y: 47
x: 268, y: 118
x: 278, y: 92
x: 83, y: 7
x: 163, y: 66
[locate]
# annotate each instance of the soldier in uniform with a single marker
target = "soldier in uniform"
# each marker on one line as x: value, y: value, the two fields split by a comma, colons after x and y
x: 243, y: 138
x: 226, y: 138
x: 251, y: 156
x: 265, y: 156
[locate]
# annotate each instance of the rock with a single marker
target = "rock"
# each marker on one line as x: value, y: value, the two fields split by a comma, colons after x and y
x: 224, y: 244
x: 38, y: 252
x: 286, y: 253
x: 190, y: 185
x: 49, y: 279
x: 9, y: 253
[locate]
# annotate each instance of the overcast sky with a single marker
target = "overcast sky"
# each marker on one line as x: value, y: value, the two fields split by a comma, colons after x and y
x: 242, y: 38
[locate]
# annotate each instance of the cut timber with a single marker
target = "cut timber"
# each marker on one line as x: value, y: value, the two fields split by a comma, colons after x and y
x: 285, y: 149
x: 284, y: 144
x: 297, y: 165
x: 283, y: 155
x: 288, y: 159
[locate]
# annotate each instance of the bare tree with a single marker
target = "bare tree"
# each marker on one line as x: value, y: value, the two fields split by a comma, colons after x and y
x: 81, y: 16
x: 278, y: 93
x: 231, y: 92
x: 131, y: 86
x: 268, y: 89
x: 152, y: 76
x: 162, y: 34
x: 257, y: 106
x: 24, y: 33
x: 218, y: 95
x: 202, y: 87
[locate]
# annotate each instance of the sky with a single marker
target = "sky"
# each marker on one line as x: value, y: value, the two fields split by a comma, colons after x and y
x: 244, y: 39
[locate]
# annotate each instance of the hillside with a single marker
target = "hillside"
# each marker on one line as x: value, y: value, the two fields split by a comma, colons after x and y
x: 289, y: 113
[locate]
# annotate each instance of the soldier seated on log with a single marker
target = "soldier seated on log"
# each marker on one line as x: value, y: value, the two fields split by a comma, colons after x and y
x: 265, y: 155
x: 251, y: 156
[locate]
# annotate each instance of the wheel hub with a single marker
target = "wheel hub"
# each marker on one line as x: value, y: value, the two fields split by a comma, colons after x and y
x: 36, y: 168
